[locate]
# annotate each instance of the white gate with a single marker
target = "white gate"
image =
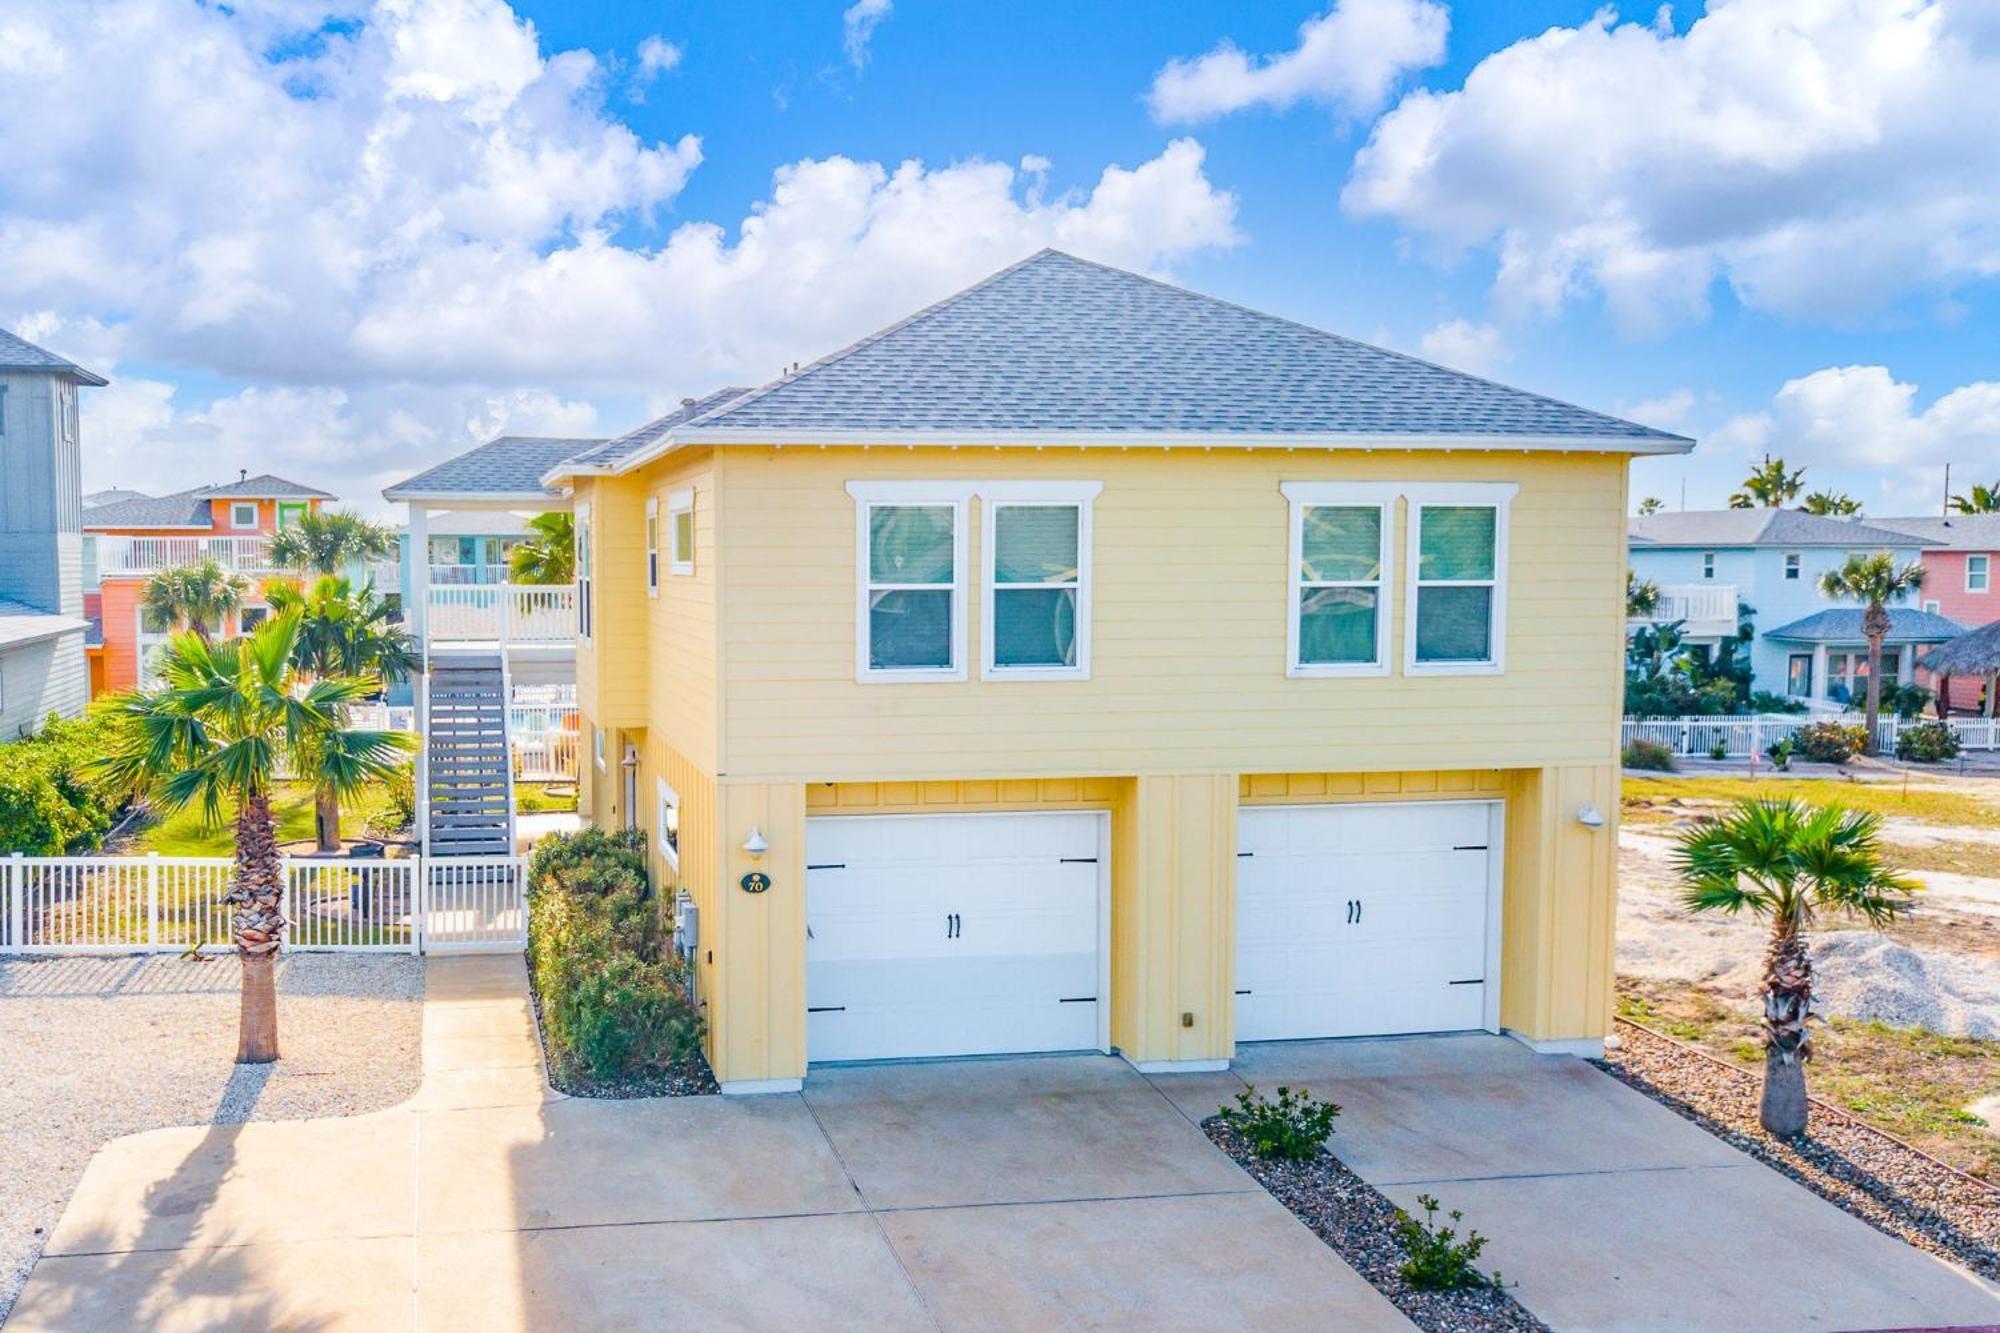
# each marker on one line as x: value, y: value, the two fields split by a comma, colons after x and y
x: 475, y: 904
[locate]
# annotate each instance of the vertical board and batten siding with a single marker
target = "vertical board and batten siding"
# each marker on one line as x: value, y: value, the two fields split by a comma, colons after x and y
x: 1190, y: 600
x: 41, y: 500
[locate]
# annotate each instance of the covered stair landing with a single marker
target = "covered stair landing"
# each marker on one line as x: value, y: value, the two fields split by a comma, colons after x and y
x: 469, y: 790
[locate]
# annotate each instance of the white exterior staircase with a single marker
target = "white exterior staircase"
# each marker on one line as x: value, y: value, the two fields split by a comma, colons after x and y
x: 469, y: 810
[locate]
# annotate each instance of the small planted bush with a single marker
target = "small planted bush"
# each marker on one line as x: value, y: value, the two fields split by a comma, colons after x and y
x: 1650, y: 755
x: 1293, y: 1127
x: 1439, y: 1260
x: 1830, y: 742
x: 1780, y: 754
x: 1764, y: 701
x: 50, y: 803
x: 1929, y: 742
x: 1719, y: 750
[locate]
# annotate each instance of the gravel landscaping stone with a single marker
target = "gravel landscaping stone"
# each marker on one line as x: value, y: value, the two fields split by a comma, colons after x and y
x: 96, y: 1048
x: 1884, y: 1182
x: 692, y: 1080
x: 1358, y: 1221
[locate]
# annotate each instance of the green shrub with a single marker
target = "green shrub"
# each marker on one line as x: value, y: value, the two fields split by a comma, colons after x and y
x: 1929, y: 742
x: 1780, y: 754
x: 615, y: 998
x: 1763, y: 701
x: 1293, y: 1128
x: 1650, y: 755
x: 399, y: 810
x: 1830, y: 742
x: 50, y: 802
x: 1719, y: 750
x: 1439, y: 1260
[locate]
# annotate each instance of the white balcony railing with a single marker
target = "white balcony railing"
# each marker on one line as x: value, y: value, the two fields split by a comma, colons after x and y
x: 455, y: 575
x: 503, y: 613
x: 149, y: 555
x: 1704, y: 604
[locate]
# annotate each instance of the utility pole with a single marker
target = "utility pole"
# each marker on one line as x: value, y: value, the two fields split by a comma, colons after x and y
x: 1944, y: 505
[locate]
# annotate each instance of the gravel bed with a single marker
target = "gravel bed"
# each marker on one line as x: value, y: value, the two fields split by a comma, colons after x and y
x: 691, y: 1080
x: 1879, y: 1179
x: 96, y: 1048
x: 1358, y: 1222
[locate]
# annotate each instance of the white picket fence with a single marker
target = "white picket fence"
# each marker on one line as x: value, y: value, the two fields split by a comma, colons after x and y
x: 1743, y: 736
x: 170, y: 904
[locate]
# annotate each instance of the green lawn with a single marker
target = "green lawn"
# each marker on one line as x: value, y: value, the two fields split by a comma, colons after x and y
x: 186, y: 834
x: 534, y: 798
x: 1652, y: 800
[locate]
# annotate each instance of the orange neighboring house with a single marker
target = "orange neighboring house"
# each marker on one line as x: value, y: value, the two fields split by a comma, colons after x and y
x: 130, y: 540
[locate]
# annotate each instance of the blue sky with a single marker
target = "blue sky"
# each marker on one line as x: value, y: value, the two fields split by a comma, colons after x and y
x: 347, y: 238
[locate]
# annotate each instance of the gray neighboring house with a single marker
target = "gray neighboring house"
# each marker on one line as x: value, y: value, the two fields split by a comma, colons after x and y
x: 42, y: 626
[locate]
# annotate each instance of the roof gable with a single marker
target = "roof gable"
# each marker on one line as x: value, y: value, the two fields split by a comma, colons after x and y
x: 510, y: 466
x: 192, y: 508
x: 19, y: 354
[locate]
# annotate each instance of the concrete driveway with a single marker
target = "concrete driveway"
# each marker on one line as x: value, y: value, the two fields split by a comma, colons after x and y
x: 1060, y: 1193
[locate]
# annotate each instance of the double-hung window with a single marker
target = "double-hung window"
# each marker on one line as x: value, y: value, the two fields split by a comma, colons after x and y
x: 1340, y: 570
x: 1708, y: 564
x: 583, y: 571
x: 1457, y: 613
x: 652, y: 546
x: 910, y: 581
x: 680, y: 532
x: 1978, y: 573
x: 1794, y: 564
x: 1035, y: 608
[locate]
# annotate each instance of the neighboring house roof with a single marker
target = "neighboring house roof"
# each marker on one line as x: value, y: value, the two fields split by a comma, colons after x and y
x: 509, y: 467
x: 1959, y: 532
x: 474, y: 523
x: 1974, y: 653
x: 190, y: 509
x: 112, y: 497
x: 20, y: 623
x: 1843, y: 625
x: 20, y: 354
x: 607, y: 456
x: 1763, y: 527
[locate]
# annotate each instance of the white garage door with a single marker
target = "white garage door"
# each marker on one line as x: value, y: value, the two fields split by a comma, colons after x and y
x: 1362, y: 920
x: 953, y: 934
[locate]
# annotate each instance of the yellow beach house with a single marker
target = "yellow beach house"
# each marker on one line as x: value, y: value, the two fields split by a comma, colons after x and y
x: 1085, y: 664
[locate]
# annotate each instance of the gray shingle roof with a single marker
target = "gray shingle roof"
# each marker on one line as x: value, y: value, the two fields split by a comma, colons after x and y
x: 1960, y: 532
x: 20, y: 354
x: 1057, y: 344
x: 613, y: 452
x: 20, y: 623
x: 1843, y: 625
x: 511, y: 465
x: 1764, y: 527
x: 190, y: 509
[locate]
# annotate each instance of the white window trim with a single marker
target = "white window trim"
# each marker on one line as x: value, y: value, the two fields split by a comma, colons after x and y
x: 1931, y: 606
x: 1985, y: 573
x: 1795, y: 566
x: 1708, y: 564
x: 997, y: 495
x: 867, y: 495
x: 586, y: 578
x: 597, y: 745
x: 236, y: 508
x: 678, y: 503
x: 1500, y: 496
x: 1380, y: 496
x: 665, y: 798
x: 652, y: 546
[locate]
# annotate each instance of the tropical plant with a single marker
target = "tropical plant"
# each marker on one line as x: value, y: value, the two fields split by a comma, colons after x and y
x: 1829, y: 742
x: 1780, y: 753
x: 194, y: 598
x: 1787, y: 862
x: 1874, y: 581
x: 1293, y: 1127
x: 224, y: 721
x: 1651, y: 505
x: 1439, y: 1260
x: 1642, y: 596
x: 343, y: 631
x: 550, y: 555
x: 1832, y: 504
x: 1764, y: 701
x: 1979, y: 500
x: 50, y: 802
x: 1928, y: 742
x: 327, y: 541
x: 1769, y: 486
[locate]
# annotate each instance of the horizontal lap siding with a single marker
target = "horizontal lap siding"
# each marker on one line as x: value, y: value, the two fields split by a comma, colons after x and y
x: 681, y: 634
x: 1190, y: 596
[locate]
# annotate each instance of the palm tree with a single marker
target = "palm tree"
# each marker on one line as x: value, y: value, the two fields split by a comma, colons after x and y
x: 1832, y: 504
x: 1651, y: 505
x: 327, y: 541
x: 343, y: 631
x: 192, y: 598
x: 1874, y: 581
x: 1785, y: 861
x: 224, y: 722
x: 1642, y: 596
x: 1769, y: 486
x: 1981, y: 500
x: 550, y: 555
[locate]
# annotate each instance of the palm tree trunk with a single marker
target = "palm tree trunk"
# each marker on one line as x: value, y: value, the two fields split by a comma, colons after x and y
x: 257, y: 925
x: 1787, y: 1039
x: 326, y: 818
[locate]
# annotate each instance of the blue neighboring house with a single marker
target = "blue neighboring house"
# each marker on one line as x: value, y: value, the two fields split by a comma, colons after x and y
x: 1807, y: 645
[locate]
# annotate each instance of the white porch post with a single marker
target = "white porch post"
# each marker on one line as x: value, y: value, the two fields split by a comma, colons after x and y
x: 1819, y: 680
x: 420, y: 568
x: 1906, y: 665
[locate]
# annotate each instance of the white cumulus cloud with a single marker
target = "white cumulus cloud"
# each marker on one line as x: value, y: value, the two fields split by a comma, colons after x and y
x: 1477, y: 349
x: 1864, y: 416
x: 1349, y: 58
x: 1824, y: 157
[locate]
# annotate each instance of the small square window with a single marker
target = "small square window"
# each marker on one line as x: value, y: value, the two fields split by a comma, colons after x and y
x: 250, y: 617
x: 667, y: 822
x: 1793, y: 564
x: 243, y: 514
x: 680, y: 532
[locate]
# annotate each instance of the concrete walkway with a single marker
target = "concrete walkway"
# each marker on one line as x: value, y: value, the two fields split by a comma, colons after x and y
x: 1060, y: 1193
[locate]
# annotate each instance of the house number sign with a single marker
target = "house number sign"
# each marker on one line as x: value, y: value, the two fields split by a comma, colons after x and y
x: 755, y: 882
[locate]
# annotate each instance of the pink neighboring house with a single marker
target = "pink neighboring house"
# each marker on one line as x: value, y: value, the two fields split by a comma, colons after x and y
x: 1962, y: 578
